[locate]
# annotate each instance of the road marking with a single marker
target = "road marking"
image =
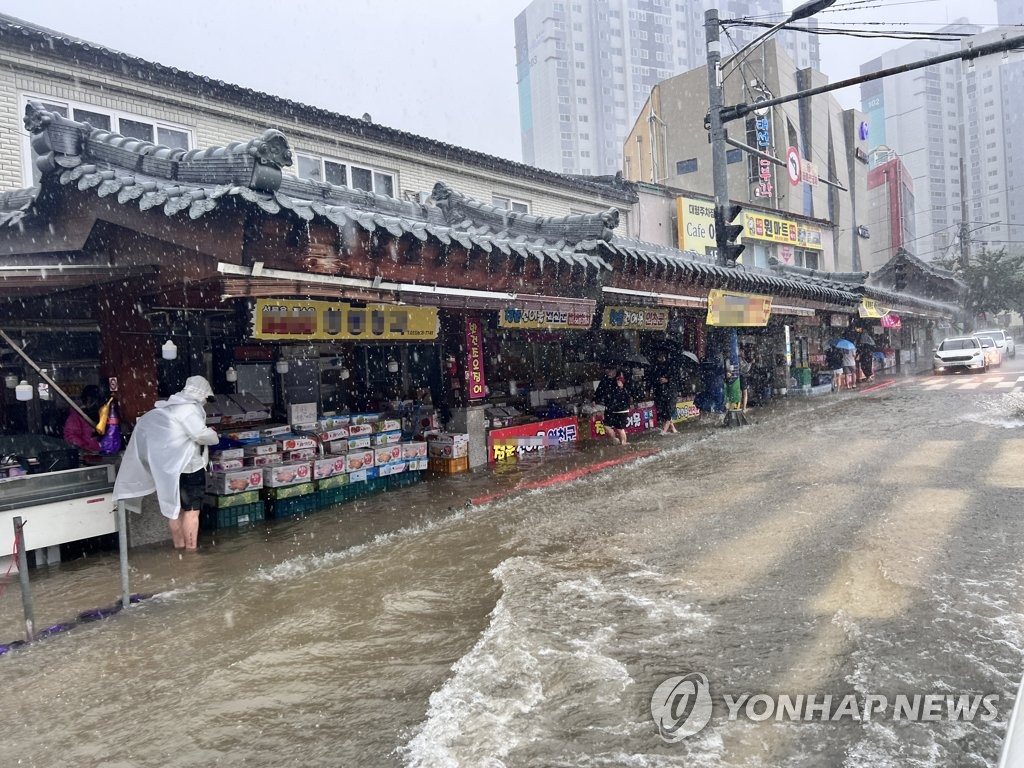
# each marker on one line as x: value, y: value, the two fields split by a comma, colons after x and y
x: 1006, y: 384
x: 1005, y: 471
x: 970, y: 385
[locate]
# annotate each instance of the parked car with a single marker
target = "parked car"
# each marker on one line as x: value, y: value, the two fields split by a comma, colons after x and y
x: 1002, y: 339
x: 959, y: 352
x: 993, y: 353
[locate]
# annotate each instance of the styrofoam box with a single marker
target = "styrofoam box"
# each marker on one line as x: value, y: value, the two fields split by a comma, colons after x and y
x: 356, y: 460
x: 278, y: 429
x: 337, y: 433
x: 359, y: 476
x: 226, y: 465
x: 359, y: 443
x: 235, y: 481
x: 302, y: 454
x: 386, y: 438
x: 287, y: 474
x: 259, y: 449
x: 332, y: 465
x: 297, y: 443
x: 444, y: 450
x: 357, y: 430
x: 301, y: 413
x: 387, y: 454
x: 414, y: 450
x: 418, y: 464
x: 392, y: 468
x: 387, y: 425
x: 264, y: 460
x: 338, y: 446
x: 227, y: 454
x: 244, y: 434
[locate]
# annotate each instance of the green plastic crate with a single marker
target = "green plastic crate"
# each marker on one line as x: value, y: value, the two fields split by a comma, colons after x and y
x: 293, y: 506
x: 214, y: 518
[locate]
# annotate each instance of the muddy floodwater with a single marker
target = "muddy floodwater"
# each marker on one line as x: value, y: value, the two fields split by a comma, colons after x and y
x: 862, y: 545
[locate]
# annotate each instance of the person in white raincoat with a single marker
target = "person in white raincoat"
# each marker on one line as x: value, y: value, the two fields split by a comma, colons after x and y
x: 167, y: 455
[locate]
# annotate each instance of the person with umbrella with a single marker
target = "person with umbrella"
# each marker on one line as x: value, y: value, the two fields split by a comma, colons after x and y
x: 849, y: 361
x: 834, y: 361
x: 866, y: 351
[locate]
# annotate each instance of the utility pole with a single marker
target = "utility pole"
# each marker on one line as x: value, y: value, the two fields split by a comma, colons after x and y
x: 719, y: 169
x: 965, y: 231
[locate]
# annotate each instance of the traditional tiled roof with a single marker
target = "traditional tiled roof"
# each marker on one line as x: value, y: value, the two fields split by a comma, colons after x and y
x: 927, y: 268
x: 43, y: 41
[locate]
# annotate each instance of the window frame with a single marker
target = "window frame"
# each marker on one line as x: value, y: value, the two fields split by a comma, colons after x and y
x: 349, y: 166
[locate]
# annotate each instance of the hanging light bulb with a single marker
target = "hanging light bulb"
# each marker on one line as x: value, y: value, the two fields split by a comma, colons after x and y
x: 169, y: 350
x: 281, y: 366
x: 392, y: 365
x: 23, y: 391
x: 11, y: 380
x: 231, y: 375
x: 344, y: 374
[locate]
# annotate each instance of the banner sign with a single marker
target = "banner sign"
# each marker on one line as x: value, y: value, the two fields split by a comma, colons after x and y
x: 761, y: 226
x: 290, y: 320
x: 738, y: 309
x: 634, y: 319
x: 516, y: 442
x: 891, y: 320
x: 870, y: 308
x: 685, y: 411
x: 763, y: 185
x: 640, y: 419
x: 475, y: 351
x: 696, y: 225
x: 517, y: 317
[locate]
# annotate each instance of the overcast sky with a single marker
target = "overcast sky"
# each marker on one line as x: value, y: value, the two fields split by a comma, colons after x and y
x: 443, y: 69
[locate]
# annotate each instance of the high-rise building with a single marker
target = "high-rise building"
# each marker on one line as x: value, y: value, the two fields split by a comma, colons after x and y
x: 586, y: 67
x: 920, y: 115
x: 992, y: 91
x: 890, y: 210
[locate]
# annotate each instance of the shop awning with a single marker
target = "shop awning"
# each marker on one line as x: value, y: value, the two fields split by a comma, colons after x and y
x: 656, y: 299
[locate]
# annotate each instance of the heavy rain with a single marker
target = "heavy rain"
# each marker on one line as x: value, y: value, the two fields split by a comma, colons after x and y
x: 540, y: 401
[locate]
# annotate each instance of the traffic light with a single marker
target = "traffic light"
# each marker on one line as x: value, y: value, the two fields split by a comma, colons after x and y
x: 726, y: 233
x: 899, y: 276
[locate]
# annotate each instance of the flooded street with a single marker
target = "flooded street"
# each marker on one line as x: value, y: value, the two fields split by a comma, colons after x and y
x: 868, y: 544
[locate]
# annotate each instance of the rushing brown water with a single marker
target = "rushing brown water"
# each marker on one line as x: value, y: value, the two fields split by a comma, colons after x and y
x: 869, y: 545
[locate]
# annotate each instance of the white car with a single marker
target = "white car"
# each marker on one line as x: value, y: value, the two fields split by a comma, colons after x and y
x: 1002, y: 339
x: 993, y: 353
x: 959, y: 352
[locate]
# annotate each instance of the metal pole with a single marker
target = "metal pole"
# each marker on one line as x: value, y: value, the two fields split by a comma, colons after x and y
x: 719, y: 172
x: 122, y: 545
x: 26, y: 588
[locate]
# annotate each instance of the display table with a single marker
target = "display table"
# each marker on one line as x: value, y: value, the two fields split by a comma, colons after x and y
x: 511, y: 443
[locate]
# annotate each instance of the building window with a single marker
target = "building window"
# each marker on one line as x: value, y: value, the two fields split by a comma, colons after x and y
x: 127, y: 124
x: 686, y: 166
x: 733, y: 156
x: 511, y: 204
x: 344, y: 174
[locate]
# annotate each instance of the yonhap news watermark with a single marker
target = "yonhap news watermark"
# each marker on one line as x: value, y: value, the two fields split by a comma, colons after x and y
x: 681, y: 706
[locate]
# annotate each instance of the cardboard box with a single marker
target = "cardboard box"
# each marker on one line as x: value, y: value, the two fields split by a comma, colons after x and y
x: 289, y: 491
x: 356, y: 460
x: 231, y: 500
x: 393, y: 468
x: 338, y: 446
x: 334, y: 481
x: 303, y: 454
x: 260, y: 449
x: 448, y: 466
x: 334, y: 422
x: 357, y: 430
x: 328, y: 467
x: 387, y: 454
x: 359, y: 476
x: 387, y: 425
x: 292, y: 443
x: 417, y: 465
x: 443, y: 448
x: 235, y: 481
x: 225, y: 465
x: 226, y: 454
x: 337, y: 433
x: 364, y: 418
x: 301, y: 413
x: 251, y: 405
x: 414, y: 450
x: 264, y: 460
x: 372, y: 473
x: 276, y: 430
x: 359, y: 443
x: 287, y: 474
x: 386, y: 438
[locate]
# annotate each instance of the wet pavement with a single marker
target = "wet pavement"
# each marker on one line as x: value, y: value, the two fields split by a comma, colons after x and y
x: 865, y: 542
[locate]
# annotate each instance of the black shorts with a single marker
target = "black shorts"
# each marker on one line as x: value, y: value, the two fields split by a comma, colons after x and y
x: 743, y: 384
x: 616, y: 420
x: 192, y: 485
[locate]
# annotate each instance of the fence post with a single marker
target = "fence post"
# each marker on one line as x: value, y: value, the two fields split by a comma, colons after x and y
x: 26, y: 589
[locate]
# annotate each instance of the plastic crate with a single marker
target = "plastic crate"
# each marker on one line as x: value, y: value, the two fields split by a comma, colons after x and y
x: 293, y: 506
x: 213, y: 518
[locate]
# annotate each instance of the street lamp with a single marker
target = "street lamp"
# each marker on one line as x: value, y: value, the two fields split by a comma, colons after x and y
x: 802, y: 11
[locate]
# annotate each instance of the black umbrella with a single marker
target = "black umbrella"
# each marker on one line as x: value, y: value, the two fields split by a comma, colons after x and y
x: 866, y: 339
x: 626, y: 358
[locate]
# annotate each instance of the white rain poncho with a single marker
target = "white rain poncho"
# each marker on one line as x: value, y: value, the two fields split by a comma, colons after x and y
x: 166, y: 442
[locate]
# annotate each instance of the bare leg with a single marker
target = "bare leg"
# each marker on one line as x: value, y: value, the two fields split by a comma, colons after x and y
x: 177, y: 531
x: 190, y: 528
x: 622, y: 434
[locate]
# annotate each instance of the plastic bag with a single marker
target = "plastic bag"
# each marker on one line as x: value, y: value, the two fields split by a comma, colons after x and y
x: 110, y: 443
x: 104, y: 417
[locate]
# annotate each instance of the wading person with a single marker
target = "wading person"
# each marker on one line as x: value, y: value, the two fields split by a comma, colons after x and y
x: 167, y: 455
x: 665, y: 403
x: 616, y: 411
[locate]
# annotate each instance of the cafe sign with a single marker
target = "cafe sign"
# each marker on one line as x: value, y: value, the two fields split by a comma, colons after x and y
x: 289, y: 320
x: 726, y: 308
x: 634, y: 319
x: 696, y: 224
x: 566, y: 319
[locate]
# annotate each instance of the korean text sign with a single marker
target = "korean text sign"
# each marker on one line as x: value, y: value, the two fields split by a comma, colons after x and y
x: 738, y: 309
x: 475, y: 355
x: 515, y: 442
x: 634, y: 318
x: 329, y: 321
